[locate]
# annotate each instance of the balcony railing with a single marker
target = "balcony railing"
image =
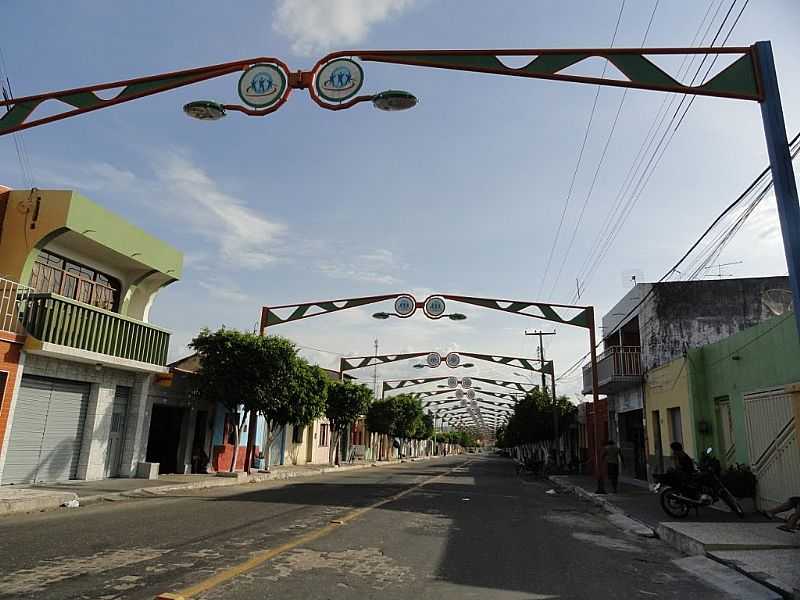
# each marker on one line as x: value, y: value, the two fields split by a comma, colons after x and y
x: 13, y: 301
x: 617, y: 368
x: 57, y: 320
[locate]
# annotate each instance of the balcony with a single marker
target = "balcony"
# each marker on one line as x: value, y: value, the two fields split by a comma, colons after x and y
x: 13, y: 298
x: 618, y: 367
x: 70, y: 329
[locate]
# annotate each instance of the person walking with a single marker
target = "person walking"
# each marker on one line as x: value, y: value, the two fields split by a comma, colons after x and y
x: 613, y: 459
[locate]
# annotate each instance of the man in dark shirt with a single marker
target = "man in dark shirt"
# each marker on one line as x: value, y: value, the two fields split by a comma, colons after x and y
x: 683, y: 462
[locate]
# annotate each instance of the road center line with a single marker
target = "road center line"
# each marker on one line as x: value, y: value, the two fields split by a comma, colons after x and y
x: 263, y: 556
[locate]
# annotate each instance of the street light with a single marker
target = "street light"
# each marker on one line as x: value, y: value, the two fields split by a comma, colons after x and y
x: 424, y: 366
x: 385, y: 315
x: 394, y: 100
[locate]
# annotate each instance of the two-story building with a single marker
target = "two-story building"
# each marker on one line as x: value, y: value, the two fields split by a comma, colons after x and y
x: 655, y: 323
x: 80, y: 281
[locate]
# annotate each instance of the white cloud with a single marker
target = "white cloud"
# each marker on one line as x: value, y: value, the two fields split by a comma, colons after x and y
x: 376, y: 266
x: 86, y: 177
x: 226, y: 292
x: 317, y: 25
x: 243, y: 237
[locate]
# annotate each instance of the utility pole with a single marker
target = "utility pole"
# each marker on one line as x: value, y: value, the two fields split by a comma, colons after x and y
x: 541, y: 335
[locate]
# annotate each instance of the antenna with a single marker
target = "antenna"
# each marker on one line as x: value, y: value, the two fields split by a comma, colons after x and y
x: 719, y: 274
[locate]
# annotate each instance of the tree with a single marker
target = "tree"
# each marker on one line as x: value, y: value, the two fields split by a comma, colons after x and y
x: 380, y: 417
x: 290, y: 390
x: 229, y: 374
x: 532, y: 420
x: 425, y: 430
x: 408, y: 416
x: 346, y: 402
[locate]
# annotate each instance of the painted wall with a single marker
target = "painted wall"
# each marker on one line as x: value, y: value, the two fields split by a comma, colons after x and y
x: 297, y: 453
x: 75, y: 227
x: 319, y: 453
x: 759, y: 358
x: 9, y: 369
x: 681, y: 315
x: 667, y: 387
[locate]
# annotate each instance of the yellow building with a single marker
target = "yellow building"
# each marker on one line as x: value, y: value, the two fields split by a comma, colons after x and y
x: 669, y: 417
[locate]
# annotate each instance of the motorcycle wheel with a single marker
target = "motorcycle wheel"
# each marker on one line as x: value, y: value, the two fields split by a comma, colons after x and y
x: 732, y: 502
x: 673, y: 505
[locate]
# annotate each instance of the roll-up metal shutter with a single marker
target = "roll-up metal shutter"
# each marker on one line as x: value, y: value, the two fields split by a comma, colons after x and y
x: 47, y: 431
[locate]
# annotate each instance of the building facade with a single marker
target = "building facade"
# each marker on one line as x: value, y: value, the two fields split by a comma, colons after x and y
x: 739, y: 396
x: 77, y: 406
x: 653, y: 324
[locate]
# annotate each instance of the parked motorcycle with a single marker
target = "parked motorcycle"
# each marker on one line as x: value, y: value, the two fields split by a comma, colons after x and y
x: 682, y: 491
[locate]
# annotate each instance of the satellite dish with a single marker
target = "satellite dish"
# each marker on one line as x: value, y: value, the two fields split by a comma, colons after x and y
x: 777, y: 302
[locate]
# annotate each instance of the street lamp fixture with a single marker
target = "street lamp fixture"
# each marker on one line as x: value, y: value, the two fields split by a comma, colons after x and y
x: 204, y: 110
x: 424, y: 366
x: 394, y: 100
x: 385, y: 315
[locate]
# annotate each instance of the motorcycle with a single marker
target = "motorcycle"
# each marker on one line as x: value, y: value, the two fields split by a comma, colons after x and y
x: 682, y: 491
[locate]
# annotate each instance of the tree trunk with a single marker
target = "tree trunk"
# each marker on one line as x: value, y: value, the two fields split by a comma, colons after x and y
x: 237, y: 435
x: 334, y: 447
x: 252, y: 428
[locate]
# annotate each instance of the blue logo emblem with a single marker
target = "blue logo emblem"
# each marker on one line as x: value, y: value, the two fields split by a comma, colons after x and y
x: 262, y: 85
x: 339, y: 80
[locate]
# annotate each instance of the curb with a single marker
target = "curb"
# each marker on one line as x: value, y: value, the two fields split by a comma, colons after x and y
x: 55, y: 500
x: 617, y: 516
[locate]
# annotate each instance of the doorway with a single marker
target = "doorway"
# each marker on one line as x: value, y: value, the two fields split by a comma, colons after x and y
x: 164, y: 438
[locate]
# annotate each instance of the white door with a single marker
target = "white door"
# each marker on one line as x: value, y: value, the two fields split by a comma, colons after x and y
x: 772, y: 445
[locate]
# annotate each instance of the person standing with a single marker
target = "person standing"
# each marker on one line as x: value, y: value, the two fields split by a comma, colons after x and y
x: 613, y: 459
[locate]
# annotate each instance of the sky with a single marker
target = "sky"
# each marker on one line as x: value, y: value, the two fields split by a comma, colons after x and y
x: 462, y: 195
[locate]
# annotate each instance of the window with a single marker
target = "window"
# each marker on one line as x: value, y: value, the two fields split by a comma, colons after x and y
x: 675, y: 425
x: 53, y: 274
x: 297, y: 434
x: 323, y: 434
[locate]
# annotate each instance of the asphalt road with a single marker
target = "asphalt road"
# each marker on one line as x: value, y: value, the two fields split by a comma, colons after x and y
x: 460, y: 527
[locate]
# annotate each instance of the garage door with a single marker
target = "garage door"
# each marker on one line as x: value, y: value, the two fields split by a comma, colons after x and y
x: 46, y: 432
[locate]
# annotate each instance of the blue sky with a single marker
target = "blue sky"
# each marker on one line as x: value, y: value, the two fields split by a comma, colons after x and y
x: 463, y: 194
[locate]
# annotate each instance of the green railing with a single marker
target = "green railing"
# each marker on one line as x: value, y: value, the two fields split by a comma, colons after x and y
x: 58, y: 320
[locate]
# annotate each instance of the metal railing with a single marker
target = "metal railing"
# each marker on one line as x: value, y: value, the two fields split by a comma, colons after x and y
x: 13, y: 301
x: 58, y: 320
x: 615, y: 363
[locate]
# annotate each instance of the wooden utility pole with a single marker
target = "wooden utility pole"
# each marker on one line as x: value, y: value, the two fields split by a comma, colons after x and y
x: 541, y: 335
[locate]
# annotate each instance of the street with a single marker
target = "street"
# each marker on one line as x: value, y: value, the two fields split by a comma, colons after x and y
x: 458, y: 527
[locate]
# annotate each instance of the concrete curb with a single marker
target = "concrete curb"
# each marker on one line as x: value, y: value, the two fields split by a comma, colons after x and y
x: 36, y: 503
x: 617, y: 516
x: 54, y: 500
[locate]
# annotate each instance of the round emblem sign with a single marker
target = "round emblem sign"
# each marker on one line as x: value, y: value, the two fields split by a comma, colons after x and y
x: 459, y: 394
x: 339, y: 80
x: 452, y: 381
x: 405, y: 306
x: 262, y: 85
x: 471, y: 394
x: 434, y: 360
x: 466, y: 383
x: 434, y: 307
x: 453, y: 360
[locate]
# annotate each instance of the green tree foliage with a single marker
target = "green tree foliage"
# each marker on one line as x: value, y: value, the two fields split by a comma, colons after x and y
x: 408, y: 416
x: 260, y: 374
x: 425, y: 429
x: 532, y: 420
x: 381, y: 416
x: 346, y: 402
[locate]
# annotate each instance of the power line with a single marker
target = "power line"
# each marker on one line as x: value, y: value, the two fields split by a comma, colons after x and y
x: 655, y: 159
x: 19, y: 141
x: 753, y: 185
x: 600, y: 162
x: 580, y: 157
x: 585, y: 268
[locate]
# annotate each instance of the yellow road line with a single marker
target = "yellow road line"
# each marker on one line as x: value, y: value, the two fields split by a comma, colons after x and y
x: 259, y: 558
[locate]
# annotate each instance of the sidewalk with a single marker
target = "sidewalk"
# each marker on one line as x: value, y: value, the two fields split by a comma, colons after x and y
x: 16, y: 499
x: 753, y: 546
